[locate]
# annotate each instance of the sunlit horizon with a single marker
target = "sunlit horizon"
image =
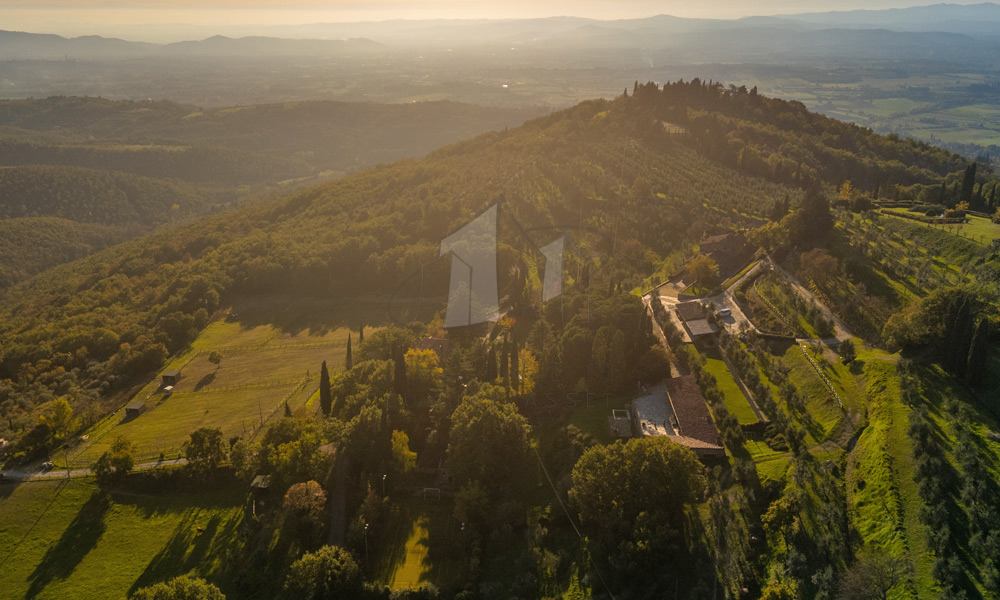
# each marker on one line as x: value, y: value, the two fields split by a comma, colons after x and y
x: 101, y: 17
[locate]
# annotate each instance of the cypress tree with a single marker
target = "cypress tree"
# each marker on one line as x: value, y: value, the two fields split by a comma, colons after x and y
x: 514, y: 368
x: 505, y: 360
x: 325, y: 399
x: 968, y: 183
x: 979, y: 348
x: 348, y: 362
x: 491, y: 364
x: 993, y: 197
x: 399, y: 373
x: 943, y: 194
x: 288, y: 409
x: 361, y: 333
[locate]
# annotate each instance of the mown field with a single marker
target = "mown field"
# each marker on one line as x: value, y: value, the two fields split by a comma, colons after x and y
x: 67, y: 539
x: 270, y: 355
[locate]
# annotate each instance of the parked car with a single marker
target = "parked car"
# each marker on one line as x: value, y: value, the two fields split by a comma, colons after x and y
x: 47, y: 465
x: 725, y: 312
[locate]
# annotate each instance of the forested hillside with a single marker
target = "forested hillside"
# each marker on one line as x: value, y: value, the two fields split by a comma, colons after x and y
x: 131, y: 166
x: 862, y: 464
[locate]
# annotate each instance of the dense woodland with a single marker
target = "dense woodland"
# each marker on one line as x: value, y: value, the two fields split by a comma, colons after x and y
x: 657, y: 170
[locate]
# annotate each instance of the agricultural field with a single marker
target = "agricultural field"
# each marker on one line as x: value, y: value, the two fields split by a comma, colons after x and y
x: 979, y: 229
x: 270, y: 356
x: 68, y: 539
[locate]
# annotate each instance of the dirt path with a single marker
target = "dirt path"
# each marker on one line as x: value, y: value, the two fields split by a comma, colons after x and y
x: 839, y: 327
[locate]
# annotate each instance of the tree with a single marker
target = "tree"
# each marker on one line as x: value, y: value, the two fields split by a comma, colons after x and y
x: 184, y: 587
x: 611, y: 484
x: 423, y: 372
x: 204, y: 450
x: 813, y: 220
x: 361, y: 333
x: 113, y: 465
x: 635, y: 526
x: 848, y: 193
x: 215, y: 357
x: 703, y: 269
x: 847, y: 351
x: 348, y: 363
x: 404, y: 459
x: 872, y: 576
x: 819, y: 266
x: 489, y: 443
x: 330, y: 573
x: 304, y: 503
x: 968, y: 184
x: 325, y: 398
x: 60, y: 420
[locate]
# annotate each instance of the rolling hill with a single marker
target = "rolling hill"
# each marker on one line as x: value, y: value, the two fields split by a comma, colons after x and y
x: 854, y: 461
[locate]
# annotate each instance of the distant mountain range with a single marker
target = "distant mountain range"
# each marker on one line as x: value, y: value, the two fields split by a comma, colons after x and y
x: 942, y: 31
x: 20, y: 45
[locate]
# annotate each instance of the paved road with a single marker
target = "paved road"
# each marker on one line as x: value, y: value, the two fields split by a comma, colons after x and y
x: 45, y: 475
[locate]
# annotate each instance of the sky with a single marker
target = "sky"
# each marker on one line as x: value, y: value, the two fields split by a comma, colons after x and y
x: 98, y: 16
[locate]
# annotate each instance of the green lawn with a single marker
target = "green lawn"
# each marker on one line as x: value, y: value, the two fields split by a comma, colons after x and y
x: 735, y: 401
x: 67, y: 539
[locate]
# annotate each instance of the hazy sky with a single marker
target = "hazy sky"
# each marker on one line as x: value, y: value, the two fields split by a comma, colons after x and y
x: 56, y: 15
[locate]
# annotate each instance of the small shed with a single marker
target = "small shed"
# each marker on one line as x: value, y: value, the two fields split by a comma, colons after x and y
x: 134, y: 409
x: 260, y: 484
x: 171, y: 377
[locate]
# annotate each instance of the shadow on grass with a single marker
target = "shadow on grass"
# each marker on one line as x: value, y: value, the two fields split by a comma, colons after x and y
x: 77, y: 540
x: 194, y: 546
x: 206, y: 380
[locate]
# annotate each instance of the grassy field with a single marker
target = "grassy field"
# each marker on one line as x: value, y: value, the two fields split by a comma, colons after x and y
x: 735, y: 401
x: 882, y: 492
x: 271, y: 354
x: 67, y: 539
x: 423, y: 545
x: 979, y: 230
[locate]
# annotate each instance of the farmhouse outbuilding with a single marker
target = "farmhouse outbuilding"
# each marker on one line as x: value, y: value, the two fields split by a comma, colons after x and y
x: 134, y: 409
x: 171, y: 377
